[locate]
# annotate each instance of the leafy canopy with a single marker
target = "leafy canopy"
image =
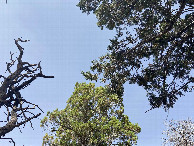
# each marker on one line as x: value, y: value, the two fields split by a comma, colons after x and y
x: 153, y: 47
x: 92, y: 117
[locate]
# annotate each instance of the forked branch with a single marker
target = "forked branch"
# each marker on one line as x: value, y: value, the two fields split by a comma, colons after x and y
x: 19, y: 110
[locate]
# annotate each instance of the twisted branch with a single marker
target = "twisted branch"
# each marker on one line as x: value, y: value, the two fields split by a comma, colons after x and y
x: 10, y: 96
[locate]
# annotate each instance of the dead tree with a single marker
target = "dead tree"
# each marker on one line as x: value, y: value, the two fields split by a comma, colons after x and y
x: 18, y: 109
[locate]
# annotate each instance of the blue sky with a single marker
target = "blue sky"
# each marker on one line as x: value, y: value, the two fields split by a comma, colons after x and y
x: 66, y: 41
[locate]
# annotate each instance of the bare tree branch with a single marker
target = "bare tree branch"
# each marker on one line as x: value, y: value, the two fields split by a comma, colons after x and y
x: 10, y: 96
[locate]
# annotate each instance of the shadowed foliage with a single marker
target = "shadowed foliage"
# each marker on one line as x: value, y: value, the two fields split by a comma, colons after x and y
x: 153, y: 47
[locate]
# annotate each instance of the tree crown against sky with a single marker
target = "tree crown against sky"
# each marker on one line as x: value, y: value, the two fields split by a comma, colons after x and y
x: 92, y: 117
x: 19, y: 111
x: 179, y: 133
x: 153, y: 47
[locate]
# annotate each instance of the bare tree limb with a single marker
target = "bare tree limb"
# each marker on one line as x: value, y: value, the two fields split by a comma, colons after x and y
x: 10, y: 96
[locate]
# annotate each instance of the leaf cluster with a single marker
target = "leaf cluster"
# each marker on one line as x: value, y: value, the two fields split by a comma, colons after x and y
x: 153, y: 47
x: 92, y: 116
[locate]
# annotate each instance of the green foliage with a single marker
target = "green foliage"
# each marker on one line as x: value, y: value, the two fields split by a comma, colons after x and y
x: 153, y: 47
x: 92, y: 116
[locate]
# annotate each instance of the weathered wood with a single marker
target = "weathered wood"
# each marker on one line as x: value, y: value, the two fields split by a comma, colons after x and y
x: 10, y: 96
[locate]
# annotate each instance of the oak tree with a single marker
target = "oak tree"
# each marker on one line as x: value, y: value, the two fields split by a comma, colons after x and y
x: 153, y: 47
x: 92, y: 116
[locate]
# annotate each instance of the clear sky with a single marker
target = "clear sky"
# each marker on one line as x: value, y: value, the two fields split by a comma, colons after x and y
x: 66, y: 41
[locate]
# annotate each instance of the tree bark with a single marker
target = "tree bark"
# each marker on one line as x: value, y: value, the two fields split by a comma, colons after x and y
x: 10, y: 96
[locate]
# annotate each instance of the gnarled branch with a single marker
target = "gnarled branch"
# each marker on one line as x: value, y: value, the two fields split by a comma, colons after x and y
x: 10, y: 96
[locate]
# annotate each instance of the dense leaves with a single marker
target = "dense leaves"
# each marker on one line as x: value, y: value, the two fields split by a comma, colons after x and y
x: 153, y: 47
x: 179, y: 133
x: 92, y: 116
